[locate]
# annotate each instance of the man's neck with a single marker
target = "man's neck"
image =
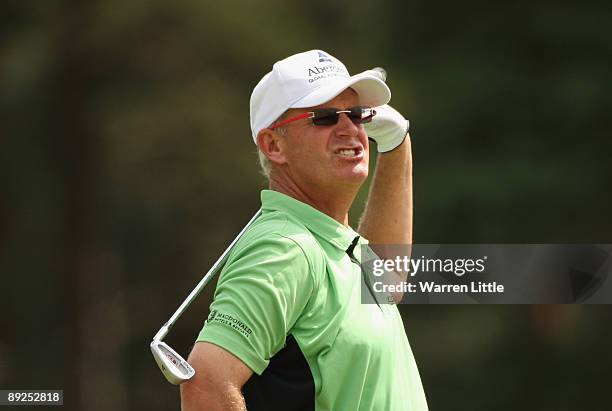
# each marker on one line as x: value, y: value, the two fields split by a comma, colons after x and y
x: 335, y: 203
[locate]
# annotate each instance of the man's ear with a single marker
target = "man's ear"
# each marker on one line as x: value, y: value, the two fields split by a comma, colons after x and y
x: 272, y: 144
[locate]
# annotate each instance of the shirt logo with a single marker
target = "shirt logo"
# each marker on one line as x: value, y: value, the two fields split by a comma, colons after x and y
x: 211, y: 316
x: 230, y: 321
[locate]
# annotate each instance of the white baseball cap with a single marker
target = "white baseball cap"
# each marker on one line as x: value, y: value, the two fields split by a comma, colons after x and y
x: 307, y: 80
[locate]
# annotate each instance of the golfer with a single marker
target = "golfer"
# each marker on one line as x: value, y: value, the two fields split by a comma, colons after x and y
x: 287, y: 329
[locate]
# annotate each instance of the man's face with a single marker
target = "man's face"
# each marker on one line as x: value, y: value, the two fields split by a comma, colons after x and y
x: 327, y: 156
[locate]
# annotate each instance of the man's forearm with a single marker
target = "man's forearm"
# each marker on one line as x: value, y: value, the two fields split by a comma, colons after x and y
x: 387, y: 218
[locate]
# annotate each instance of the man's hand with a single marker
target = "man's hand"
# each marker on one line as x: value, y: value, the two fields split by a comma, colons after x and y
x: 388, y: 128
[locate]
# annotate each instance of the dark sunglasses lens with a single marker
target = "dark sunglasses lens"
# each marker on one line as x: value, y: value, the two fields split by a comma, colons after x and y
x: 325, y: 117
x: 329, y: 116
x: 361, y: 115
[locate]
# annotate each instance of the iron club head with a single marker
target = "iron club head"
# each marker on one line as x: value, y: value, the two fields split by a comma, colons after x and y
x: 172, y: 365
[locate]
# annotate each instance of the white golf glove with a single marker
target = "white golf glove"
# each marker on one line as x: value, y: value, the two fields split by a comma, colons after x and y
x: 388, y: 128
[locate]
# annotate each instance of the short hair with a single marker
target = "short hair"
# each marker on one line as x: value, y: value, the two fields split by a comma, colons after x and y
x: 264, y: 162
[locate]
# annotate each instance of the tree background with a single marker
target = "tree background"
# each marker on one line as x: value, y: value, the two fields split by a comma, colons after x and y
x: 127, y: 167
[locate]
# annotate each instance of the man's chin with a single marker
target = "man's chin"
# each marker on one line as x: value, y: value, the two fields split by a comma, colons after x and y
x: 356, y: 176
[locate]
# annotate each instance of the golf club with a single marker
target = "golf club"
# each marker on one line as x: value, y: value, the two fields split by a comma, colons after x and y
x: 174, y: 367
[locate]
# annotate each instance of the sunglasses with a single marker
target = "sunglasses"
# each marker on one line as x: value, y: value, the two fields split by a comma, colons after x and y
x: 329, y: 116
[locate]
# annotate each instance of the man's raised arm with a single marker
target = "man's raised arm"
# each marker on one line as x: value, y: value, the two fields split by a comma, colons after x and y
x: 387, y: 218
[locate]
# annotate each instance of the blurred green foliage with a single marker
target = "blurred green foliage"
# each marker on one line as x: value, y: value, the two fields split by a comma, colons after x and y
x: 127, y: 167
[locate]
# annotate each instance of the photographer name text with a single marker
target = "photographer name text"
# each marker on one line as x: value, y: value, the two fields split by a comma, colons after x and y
x: 431, y: 287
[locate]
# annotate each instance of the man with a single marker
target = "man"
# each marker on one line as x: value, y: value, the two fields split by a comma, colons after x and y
x: 287, y: 329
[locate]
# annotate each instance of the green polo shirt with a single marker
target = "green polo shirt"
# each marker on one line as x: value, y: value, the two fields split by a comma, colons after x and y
x: 289, y: 278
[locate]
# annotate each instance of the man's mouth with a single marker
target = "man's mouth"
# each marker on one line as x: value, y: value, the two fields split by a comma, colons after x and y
x: 349, y: 152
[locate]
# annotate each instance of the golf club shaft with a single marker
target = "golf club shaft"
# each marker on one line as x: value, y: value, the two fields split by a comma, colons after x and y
x: 200, y: 286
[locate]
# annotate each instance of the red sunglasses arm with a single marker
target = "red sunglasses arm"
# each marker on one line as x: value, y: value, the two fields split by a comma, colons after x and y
x: 291, y: 119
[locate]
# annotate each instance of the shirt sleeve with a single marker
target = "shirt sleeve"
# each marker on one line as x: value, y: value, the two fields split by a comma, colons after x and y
x: 261, y: 292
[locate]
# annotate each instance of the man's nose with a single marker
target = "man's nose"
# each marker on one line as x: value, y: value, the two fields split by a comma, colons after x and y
x: 345, y: 125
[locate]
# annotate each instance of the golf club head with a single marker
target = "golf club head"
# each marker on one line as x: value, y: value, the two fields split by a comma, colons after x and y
x: 172, y: 365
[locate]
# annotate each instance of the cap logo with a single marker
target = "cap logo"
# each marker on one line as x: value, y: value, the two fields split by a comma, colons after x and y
x: 324, y: 57
x: 331, y: 70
